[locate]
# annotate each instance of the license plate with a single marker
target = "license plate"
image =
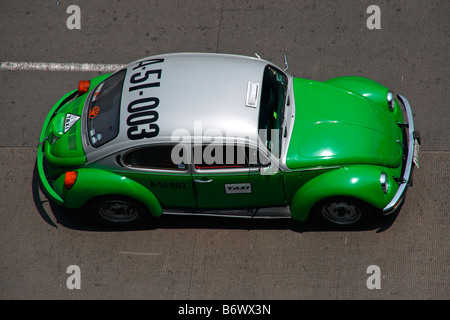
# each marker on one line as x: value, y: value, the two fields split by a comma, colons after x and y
x: 416, y: 153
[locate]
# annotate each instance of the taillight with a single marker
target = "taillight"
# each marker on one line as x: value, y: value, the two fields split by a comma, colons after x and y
x: 83, y: 86
x: 69, y: 179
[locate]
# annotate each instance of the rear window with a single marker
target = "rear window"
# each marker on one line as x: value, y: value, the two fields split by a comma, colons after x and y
x: 154, y: 157
x: 104, y: 110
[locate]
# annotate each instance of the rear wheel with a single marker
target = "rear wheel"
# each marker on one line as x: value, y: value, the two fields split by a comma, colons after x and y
x: 118, y: 211
x: 342, y: 211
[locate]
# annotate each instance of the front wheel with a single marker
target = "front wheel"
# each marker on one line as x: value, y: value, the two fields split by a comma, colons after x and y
x: 118, y: 211
x: 342, y: 211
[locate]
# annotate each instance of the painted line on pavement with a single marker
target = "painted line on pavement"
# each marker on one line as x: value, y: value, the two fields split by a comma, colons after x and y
x: 53, y: 66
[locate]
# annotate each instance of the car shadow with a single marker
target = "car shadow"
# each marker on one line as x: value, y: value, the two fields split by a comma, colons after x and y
x: 78, y: 219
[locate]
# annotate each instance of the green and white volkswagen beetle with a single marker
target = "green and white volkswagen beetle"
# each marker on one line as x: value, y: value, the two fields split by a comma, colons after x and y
x: 227, y: 135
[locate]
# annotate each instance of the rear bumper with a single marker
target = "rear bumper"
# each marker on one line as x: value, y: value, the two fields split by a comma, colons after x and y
x: 47, y: 188
x: 406, y: 180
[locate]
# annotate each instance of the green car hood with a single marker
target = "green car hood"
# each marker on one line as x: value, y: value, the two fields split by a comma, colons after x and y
x: 334, y: 126
x: 64, y: 146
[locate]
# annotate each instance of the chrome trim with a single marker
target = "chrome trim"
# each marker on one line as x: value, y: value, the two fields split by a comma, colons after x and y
x: 84, y: 135
x: 314, y: 169
x: 401, y: 192
x: 202, y: 181
x: 252, y: 213
x: 383, y: 182
x: 390, y: 100
x: 289, y: 120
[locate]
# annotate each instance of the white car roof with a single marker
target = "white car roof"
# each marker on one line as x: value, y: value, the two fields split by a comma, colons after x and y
x: 199, y: 93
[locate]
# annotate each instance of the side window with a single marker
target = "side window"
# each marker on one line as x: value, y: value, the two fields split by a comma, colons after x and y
x: 154, y: 157
x: 212, y: 157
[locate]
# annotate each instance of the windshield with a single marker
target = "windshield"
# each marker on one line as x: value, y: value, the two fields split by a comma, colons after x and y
x: 272, y: 107
x: 104, y: 110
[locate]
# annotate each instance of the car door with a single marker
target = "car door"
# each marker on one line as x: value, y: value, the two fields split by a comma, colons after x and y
x: 171, y: 183
x: 234, y: 184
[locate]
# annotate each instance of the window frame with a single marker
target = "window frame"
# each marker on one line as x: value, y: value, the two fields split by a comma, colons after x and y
x: 115, y: 112
x: 278, y: 141
x: 223, y: 168
x: 154, y: 169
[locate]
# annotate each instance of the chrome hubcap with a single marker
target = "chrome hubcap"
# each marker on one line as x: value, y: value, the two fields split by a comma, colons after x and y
x: 118, y: 211
x: 341, y: 213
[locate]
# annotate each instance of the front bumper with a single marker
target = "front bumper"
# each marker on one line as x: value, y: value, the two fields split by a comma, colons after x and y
x: 47, y: 188
x: 412, y: 145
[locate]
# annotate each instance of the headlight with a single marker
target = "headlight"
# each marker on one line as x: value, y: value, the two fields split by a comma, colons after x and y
x: 384, y: 182
x: 390, y: 100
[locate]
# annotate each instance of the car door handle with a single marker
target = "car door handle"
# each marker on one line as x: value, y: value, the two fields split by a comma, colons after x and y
x: 203, y: 180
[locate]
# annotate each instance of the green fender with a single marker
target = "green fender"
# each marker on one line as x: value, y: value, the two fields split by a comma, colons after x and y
x: 359, y: 181
x: 92, y: 183
x: 365, y: 87
x: 369, y: 89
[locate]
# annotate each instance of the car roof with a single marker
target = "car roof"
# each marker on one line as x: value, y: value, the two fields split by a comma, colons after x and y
x: 197, y: 94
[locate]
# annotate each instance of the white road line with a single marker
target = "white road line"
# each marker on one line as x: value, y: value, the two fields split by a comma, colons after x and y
x: 52, y: 66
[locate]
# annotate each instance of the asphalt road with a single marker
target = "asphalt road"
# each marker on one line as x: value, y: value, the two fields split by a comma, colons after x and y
x: 217, y: 258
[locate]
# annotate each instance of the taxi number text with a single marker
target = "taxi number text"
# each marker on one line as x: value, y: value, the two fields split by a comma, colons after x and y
x: 142, y: 111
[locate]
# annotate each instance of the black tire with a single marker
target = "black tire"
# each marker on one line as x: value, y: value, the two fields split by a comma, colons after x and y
x: 342, y: 212
x: 118, y: 211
